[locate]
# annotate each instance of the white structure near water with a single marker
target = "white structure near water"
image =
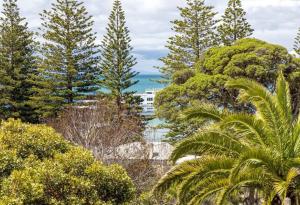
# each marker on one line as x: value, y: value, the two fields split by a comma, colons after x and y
x: 148, y: 100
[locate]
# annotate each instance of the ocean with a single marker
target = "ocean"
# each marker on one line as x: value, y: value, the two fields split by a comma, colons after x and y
x: 147, y: 82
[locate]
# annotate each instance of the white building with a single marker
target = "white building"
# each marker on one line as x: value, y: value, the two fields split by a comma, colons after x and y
x: 148, y: 100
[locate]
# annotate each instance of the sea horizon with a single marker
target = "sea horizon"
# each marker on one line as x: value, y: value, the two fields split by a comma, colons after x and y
x: 147, y: 82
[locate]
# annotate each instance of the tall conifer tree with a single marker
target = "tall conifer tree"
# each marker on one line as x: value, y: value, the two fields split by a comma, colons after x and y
x: 17, y: 65
x: 117, y: 61
x: 195, y: 32
x: 297, y: 43
x: 234, y: 24
x: 69, y: 55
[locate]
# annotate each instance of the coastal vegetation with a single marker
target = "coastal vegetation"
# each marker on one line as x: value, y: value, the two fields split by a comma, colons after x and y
x: 40, y: 78
x: 39, y: 167
x: 17, y: 65
x: 72, y: 130
x: 255, y: 155
x: 117, y: 60
x: 198, y: 29
x: 247, y: 58
x: 239, y: 147
x: 67, y: 58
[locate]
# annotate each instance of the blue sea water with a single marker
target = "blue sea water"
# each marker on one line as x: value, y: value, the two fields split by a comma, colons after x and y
x: 147, y: 82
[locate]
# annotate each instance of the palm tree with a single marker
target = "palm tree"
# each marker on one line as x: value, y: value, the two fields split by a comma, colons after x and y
x: 239, y: 154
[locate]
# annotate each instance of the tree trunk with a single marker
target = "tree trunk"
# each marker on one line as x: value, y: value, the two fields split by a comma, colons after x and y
x: 251, y: 196
x: 119, y: 103
x: 276, y: 201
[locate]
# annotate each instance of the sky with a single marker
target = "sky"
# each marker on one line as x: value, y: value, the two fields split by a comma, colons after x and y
x: 275, y: 21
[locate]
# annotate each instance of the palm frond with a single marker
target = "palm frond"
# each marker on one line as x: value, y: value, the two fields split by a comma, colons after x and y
x: 261, y: 98
x: 216, y: 167
x: 282, y: 186
x: 206, y: 112
x: 284, y: 98
x: 296, y: 136
x: 175, y: 176
x: 258, y: 158
x: 249, y: 128
x: 198, y: 187
x: 211, y: 189
x: 267, y: 107
x: 240, y: 151
x: 213, y: 142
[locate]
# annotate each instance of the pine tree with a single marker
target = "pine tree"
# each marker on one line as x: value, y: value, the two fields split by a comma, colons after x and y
x: 297, y: 43
x: 195, y: 32
x: 117, y: 61
x: 17, y: 65
x: 69, y: 55
x: 234, y: 24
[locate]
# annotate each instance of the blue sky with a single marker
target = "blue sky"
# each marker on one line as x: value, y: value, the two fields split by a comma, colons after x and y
x: 275, y: 21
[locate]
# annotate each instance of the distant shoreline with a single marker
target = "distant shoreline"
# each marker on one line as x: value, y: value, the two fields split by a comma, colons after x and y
x: 147, y: 82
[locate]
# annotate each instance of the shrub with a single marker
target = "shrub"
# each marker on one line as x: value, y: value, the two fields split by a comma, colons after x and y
x: 39, y: 167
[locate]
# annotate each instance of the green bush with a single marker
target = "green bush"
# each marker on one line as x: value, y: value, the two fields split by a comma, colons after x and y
x: 37, y: 166
x: 38, y: 140
x: 246, y: 58
x: 112, y: 183
x: 181, y: 76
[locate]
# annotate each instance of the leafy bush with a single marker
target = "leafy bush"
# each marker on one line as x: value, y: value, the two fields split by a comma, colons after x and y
x: 246, y: 58
x: 240, y: 158
x: 37, y: 166
x: 181, y: 76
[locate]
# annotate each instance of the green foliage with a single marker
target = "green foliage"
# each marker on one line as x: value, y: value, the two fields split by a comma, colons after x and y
x: 147, y: 198
x: 177, y: 97
x: 39, y: 167
x: 240, y: 152
x: 8, y: 162
x: 112, y: 182
x: 195, y: 32
x: 248, y: 58
x: 17, y: 65
x: 254, y: 59
x: 69, y: 56
x: 40, y: 141
x: 234, y: 23
x: 297, y: 43
x: 182, y: 76
x: 117, y: 61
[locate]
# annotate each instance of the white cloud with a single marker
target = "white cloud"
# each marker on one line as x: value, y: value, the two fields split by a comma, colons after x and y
x: 148, y: 64
x: 275, y: 21
x: 271, y: 3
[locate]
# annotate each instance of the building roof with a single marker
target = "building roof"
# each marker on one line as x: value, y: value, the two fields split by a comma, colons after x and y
x: 140, y: 150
